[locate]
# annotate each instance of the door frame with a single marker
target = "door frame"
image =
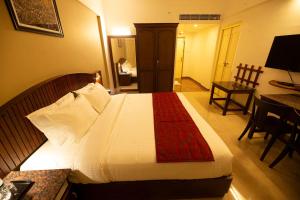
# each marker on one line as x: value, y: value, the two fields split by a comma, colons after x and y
x: 219, y: 45
x: 183, y: 55
x: 112, y: 64
x: 181, y: 73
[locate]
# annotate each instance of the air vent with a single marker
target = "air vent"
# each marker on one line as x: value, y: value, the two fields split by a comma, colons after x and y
x: 199, y: 17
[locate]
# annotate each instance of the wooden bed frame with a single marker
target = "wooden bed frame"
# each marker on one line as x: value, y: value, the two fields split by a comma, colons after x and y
x: 19, y: 139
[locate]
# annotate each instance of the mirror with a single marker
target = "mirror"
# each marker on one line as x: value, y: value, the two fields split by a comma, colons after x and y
x: 123, y: 62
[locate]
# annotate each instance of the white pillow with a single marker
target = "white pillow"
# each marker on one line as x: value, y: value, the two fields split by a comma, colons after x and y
x: 97, y: 95
x: 81, y: 90
x: 74, y: 119
x: 45, y: 125
x: 60, y: 123
x: 65, y: 100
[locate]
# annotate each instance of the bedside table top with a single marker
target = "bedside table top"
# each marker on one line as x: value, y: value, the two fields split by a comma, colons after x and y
x: 47, y: 182
x: 125, y: 74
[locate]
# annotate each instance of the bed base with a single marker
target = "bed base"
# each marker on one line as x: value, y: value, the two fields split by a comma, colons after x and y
x: 155, y: 189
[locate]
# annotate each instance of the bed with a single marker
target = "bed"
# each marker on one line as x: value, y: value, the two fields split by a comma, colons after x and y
x: 117, y: 158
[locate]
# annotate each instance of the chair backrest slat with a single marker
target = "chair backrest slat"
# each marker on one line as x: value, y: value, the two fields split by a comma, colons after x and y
x: 244, y: 73
x: 250, y: 74
x: 238, y: 72
x: 242, y: 70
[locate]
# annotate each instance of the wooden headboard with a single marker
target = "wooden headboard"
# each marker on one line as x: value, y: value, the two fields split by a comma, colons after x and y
x: 18, y: 137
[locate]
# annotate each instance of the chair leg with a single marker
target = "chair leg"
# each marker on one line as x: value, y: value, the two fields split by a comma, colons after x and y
x: 248, y: 103
x: 291, y: 153
x: 212, y: 94
x: 226, y: 103
x: 251, y: 132
x: 268, y: 147
x: 246, y: 129
x: 294, y: 138
x: 285, y: 151
x: 267, y: 135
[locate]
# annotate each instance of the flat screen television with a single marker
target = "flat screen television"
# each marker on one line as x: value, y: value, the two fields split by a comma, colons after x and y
x: 285, y: 53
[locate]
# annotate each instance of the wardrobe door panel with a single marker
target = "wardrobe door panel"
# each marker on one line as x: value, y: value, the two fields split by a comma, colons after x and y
x: 146, y: 81
x: 146, y: 49
x: 164, y: 81
x: 166, y: 49
x: 165, y: 54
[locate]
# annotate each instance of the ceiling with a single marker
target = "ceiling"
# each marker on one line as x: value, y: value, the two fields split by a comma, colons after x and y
x: 122, y: 14
x: 225, y: 7
x: 192, y: 28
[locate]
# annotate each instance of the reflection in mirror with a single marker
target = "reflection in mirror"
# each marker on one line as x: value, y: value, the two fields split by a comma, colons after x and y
x: 124, y: 59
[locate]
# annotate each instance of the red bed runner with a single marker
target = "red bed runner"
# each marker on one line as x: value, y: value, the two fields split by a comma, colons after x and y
x: 177, y: 137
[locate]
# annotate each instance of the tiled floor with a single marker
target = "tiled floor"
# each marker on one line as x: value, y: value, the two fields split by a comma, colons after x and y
x: 252, y: 179
x: 187, y: 85
x: 132, y: 86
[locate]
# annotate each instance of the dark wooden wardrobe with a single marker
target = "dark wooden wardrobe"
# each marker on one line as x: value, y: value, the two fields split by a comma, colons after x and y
x: 155, y: 54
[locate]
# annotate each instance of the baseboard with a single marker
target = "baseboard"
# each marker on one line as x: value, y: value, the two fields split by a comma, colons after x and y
x: 129, y: 90
x: 196, y: 82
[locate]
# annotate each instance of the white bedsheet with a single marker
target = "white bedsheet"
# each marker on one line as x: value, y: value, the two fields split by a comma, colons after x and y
x: 50, y: 156
x: 120, y: 146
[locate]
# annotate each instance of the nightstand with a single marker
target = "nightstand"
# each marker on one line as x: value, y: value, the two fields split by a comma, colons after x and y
x: 124, y: 79
x: 48, y: 184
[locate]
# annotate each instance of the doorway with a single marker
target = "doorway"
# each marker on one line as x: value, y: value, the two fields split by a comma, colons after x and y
x: 123, y: 62
x: 195, y: 53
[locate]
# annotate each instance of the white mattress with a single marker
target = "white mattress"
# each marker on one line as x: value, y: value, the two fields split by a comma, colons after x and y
x: 120, y: 146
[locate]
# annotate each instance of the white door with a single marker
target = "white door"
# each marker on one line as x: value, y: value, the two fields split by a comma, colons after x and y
x: 229, y: 41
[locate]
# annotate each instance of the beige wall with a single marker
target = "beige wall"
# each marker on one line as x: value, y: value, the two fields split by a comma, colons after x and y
x: 118, y: 49
x: 28, y: 58
x: 199, y: 55
x: 124, y: 48
x: 259, y: 25
x: 97, y: 7
x: 130, y: 51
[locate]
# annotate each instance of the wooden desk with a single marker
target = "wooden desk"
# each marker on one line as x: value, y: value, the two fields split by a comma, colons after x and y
x: 277, y: 84
x: 292, y: 100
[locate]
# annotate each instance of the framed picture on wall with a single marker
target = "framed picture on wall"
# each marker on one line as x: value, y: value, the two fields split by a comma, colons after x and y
x: 38, y: 16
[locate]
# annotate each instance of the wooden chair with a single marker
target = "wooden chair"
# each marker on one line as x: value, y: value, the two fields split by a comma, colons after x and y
x: 256, y: 123
x: 241, y: 85
x: 293, y: 144
x: 261, y: 121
